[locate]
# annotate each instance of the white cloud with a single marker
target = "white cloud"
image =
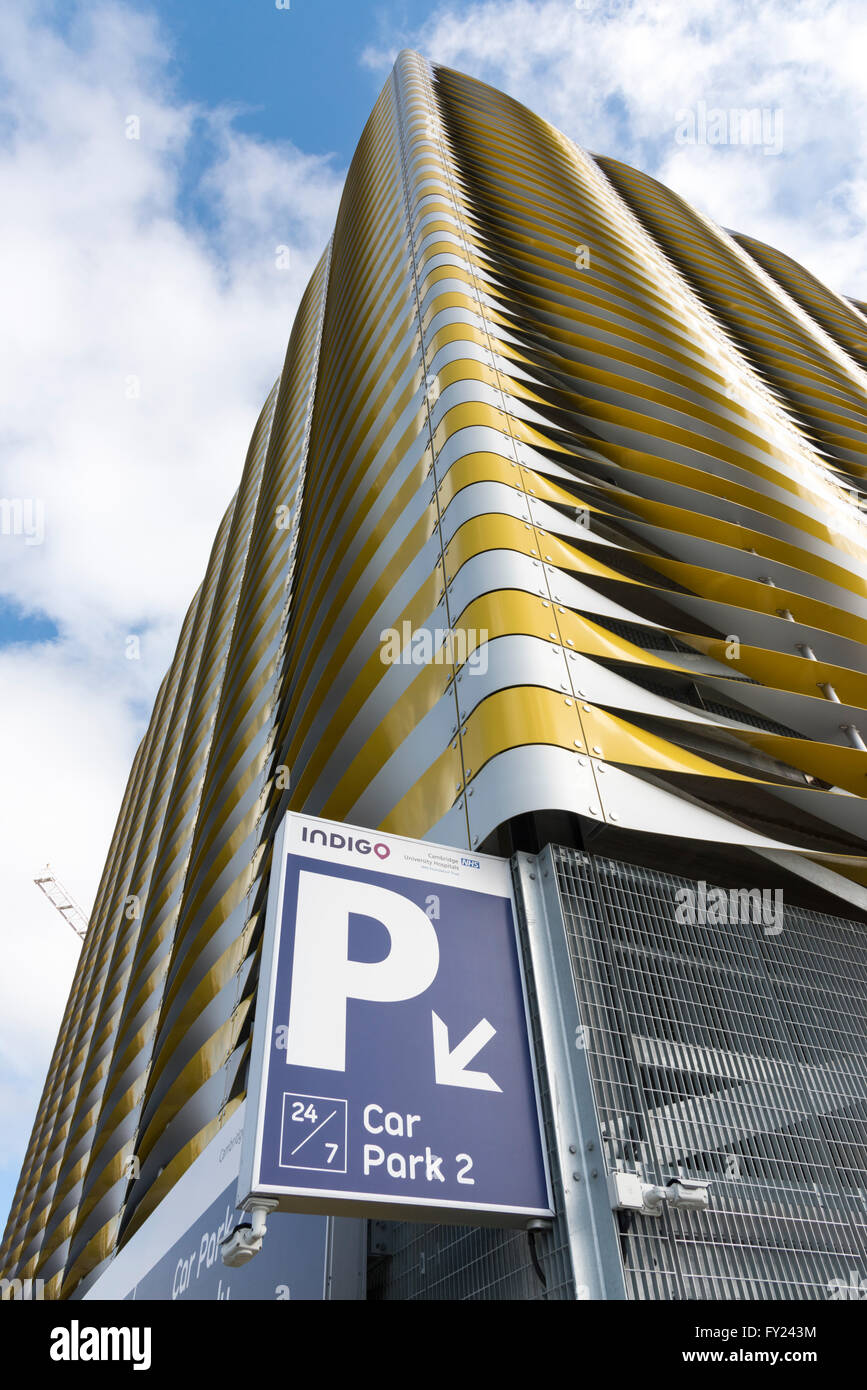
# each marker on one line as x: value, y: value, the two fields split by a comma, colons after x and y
x: 614, y: 74
x: 104, y: 277
x: 67, y: 748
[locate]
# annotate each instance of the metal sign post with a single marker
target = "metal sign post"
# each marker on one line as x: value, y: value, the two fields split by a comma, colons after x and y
x: 392, y: 1072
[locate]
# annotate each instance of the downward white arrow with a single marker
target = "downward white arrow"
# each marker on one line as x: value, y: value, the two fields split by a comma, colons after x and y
x: 450, y: 1067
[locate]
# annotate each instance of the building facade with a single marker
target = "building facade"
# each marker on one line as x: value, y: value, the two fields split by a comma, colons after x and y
x: 552, y: 531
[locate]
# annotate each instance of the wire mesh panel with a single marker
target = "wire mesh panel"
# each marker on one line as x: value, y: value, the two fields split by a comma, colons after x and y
x: 458, y: 1262
x: 726, y: 1043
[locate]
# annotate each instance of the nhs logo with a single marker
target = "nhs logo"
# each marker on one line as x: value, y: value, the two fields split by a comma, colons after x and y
x: 470, y: 864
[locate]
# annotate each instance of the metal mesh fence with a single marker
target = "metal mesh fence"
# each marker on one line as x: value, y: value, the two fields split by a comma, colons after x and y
x: 731, y: 1051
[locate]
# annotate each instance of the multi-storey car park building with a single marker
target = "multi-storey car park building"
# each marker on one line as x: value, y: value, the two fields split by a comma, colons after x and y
x: 532, y: 396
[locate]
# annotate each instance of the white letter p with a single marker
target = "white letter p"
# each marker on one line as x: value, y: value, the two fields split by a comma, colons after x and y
x: 323, y: 976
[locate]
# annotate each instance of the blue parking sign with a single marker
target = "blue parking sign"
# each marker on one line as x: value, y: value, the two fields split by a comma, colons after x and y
x: 392, y: 1070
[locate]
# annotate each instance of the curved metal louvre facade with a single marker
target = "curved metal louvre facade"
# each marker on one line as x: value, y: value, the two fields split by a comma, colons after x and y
x: 535, y: 398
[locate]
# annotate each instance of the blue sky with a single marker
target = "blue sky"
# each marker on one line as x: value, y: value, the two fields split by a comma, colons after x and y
x: 293, y: 74
x: 145, y: 318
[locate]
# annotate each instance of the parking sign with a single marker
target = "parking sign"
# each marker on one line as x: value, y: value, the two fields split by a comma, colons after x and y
x: 392, y: 1071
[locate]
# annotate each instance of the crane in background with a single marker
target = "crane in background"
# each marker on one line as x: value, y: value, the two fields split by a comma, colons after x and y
x: 61, y: 898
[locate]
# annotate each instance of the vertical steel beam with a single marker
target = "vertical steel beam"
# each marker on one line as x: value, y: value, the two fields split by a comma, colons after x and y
x: 591, y: 1224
